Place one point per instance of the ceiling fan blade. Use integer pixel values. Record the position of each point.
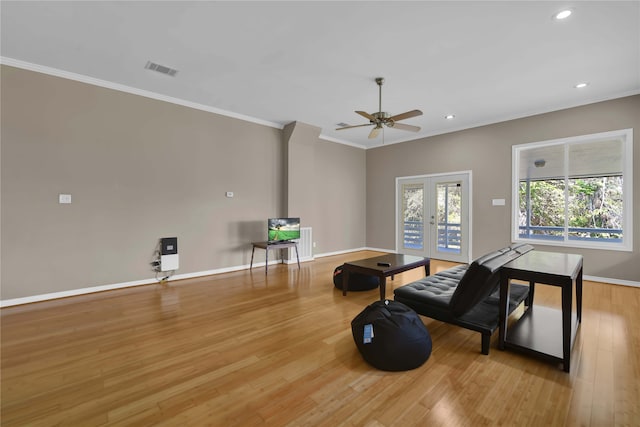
(366, 115)
(374, 132)
(408, 114)
(354, 126)
(403, 126)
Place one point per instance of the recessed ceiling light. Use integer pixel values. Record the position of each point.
(563, 14)
(449, 116)
(581, 85)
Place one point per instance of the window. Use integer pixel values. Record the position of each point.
(575, 191)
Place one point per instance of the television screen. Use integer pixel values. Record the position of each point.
(281, 229)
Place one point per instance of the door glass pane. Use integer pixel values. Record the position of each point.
(413, 216)
(448, 212)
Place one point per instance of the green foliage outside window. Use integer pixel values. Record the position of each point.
(592, 203)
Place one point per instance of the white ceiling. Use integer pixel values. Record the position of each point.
(315, 62)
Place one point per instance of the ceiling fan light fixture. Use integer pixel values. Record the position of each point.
(375, 131)
(563, 14)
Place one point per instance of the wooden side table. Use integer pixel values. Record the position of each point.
(275, 245)
(536, 332)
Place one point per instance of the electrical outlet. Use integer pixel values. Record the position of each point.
(314, 244)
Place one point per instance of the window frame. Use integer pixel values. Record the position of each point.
(626, 136)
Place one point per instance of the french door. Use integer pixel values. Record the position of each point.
(433, 216)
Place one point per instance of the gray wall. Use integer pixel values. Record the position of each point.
(486, 151)
(339, 205)
(140, 169)
(326, 187)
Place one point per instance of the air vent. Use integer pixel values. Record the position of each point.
(160, 68)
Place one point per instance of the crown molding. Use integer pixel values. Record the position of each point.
(128, 89)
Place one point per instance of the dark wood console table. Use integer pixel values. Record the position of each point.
(397, 263)
(536, 332)
(276, 245)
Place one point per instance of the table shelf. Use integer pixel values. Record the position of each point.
(537, 332)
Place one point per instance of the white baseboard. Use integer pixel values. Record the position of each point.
(73, 292)
(93, 289)
(390, 251)
(612, 281)
(151, 281)
(326, 254)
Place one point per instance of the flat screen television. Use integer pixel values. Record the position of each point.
(283, 229)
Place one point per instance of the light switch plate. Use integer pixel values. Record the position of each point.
(64, 198)
(229, 194)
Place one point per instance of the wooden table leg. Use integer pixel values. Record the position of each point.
(567, 297)
(532, 290)
(579, 296)
(383, 287)
(504, 304)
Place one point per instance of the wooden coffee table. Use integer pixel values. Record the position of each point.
(383, 267)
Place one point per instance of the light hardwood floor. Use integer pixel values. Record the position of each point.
(242, 349)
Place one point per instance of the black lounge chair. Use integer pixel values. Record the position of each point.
(467, 295)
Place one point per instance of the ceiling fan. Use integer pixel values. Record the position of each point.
(383, 118)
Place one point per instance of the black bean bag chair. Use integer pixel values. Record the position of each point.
(357, 281)
(391, 336)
